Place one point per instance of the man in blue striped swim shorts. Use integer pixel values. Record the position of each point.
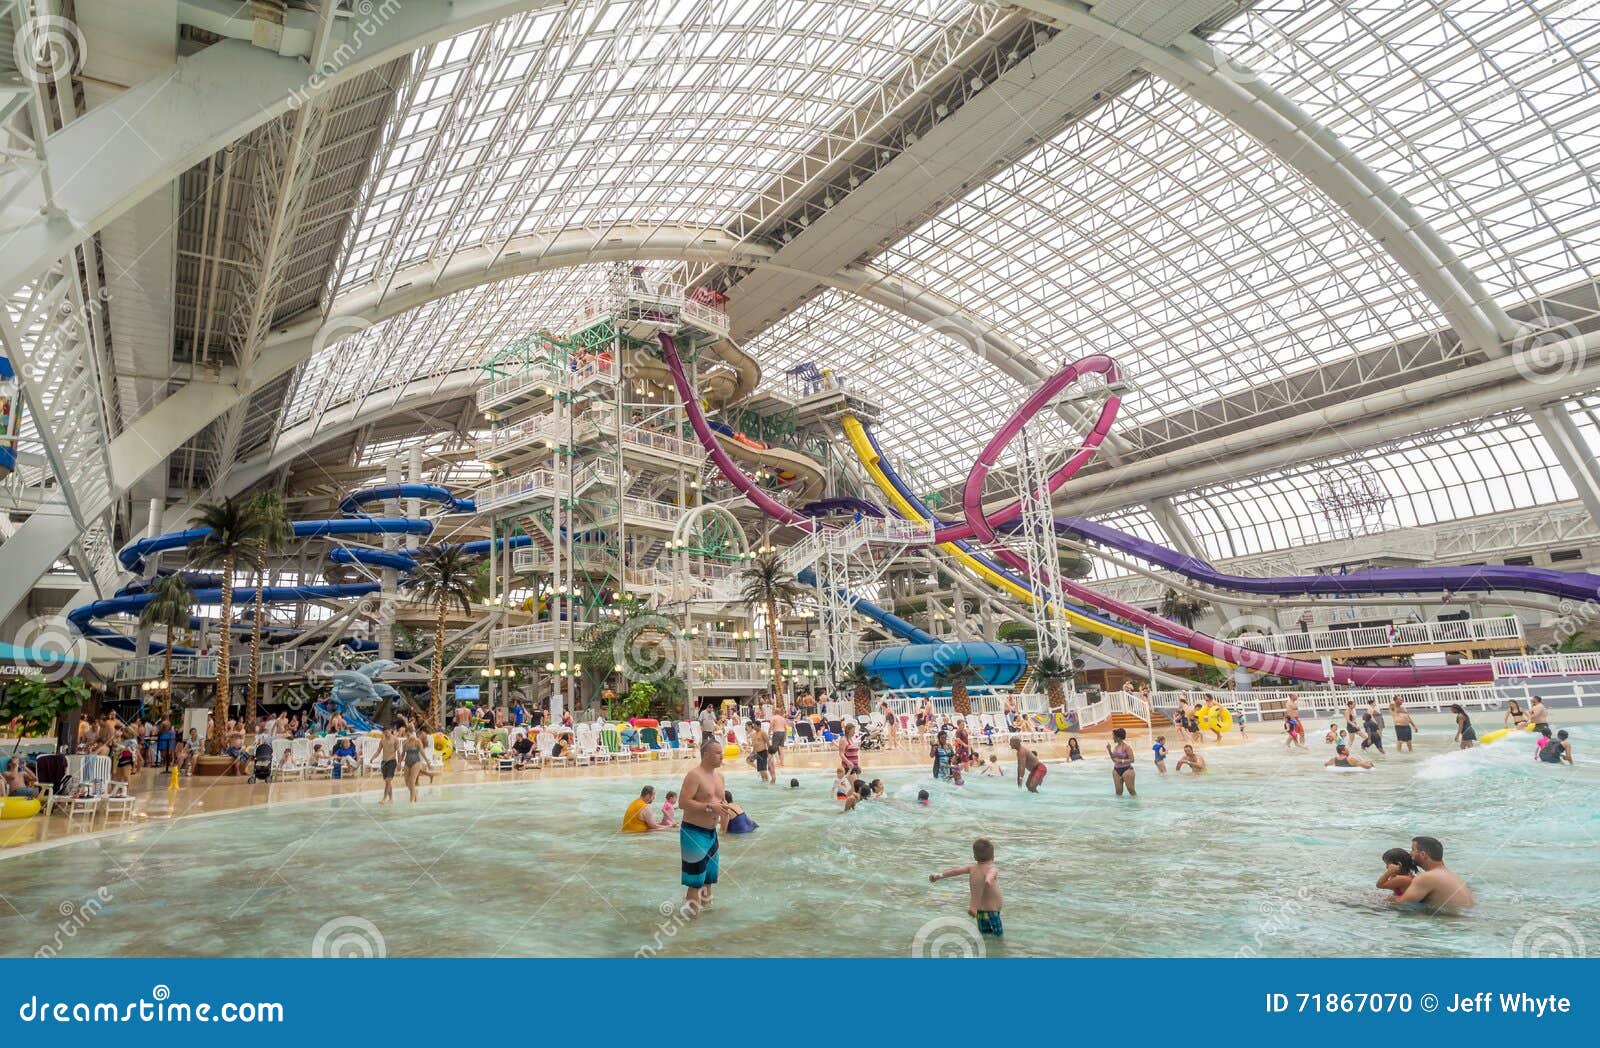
(702, 804)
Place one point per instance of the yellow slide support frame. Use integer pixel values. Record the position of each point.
(869, 459)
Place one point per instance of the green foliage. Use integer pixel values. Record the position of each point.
(636, 703)
(235, 531)
(170, 606)
(1579, 643)
(765, 584)
(446, 576)
(859, 676)
(1053, 670)
(36, 703)
(962, 673)
(1182, 607)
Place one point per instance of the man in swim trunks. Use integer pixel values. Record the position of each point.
(1403, 725)
(1538, 714)
(1437, 887)
(778, 733)
(1342, 759)
(761, 748)
(1191, 760)
(389, 754)
(1028, 765)
(702, 796)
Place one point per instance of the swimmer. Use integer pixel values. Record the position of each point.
(1160, 751)
(1466, 735)
(983, 887)
(1404, 725)
(923, 798)
(1514, 717)
(669, 806)
(1029, 765)
(1437, 886)
(1191, 760)
(639, 818)
(703, 807)
(1342, 759)
(1399, 870)
(842, 785)
(861, 792)
(1372, 731)
(794, 784)
(877, 789)
(1332, 736)
(734, 818)
(991, 767)
(1073, 753)
(1553, 749)
(1121, 762)
(1538, 716)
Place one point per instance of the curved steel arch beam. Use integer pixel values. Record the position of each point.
(1314, 152)
(102, 164)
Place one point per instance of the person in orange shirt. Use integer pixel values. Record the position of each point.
(639, 818)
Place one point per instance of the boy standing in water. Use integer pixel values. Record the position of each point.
(983, 887)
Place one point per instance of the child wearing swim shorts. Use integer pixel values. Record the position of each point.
(983, 887)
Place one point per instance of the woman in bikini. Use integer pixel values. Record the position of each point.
(1515, 718)
(1121, 761)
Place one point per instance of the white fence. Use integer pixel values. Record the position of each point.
(1576, 664)
(1497, 632)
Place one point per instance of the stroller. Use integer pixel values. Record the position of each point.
(873, 737)
(262, 771)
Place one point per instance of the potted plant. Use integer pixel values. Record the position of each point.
(34, 703)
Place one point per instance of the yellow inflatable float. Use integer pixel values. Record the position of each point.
(730, 751)
(443, 746)
(1495, 736)
(19, 807)
(1214, 718)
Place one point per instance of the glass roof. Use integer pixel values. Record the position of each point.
(1150, 228)
(605, 113)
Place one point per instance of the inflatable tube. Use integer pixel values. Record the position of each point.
(1495, 736)
(645, 722)
(1214, 718)
(443, 746)
(19, 807)
(730, 751)
(1062, 723)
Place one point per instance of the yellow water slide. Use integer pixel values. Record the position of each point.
(857, 434)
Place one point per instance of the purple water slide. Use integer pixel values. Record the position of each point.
(977, 524)
(1261, 662)
(1482, 578)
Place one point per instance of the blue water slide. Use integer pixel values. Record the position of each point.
(133, 554)
(82, 618)
(841, 504)
(353, 502)
(887, 619)
(917, 665)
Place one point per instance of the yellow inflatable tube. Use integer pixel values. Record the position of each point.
(19, 807)
(1495, 736)
(863, 448)
(1214, 718)
(443, 746)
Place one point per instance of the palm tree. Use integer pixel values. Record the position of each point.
(170, 609)
(1054, 672)
(233, 532)
(956, 677)
(1182, 608)
(274, 533)
(765, 583)
(445, 577)
(864, 682)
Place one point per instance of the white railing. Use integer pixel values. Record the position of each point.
(879, 531)
(511, 385)
(511, 640)
(543, 483)
(705, 316)
(722, 641)
(1496, 632)
(586, 368)
(655, 512)
(663, 443)
(1572, 664)
(754, 674)
(1263, 703)
(204, 667)
(548, 426)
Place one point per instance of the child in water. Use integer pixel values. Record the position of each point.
(983, 887)
(922, 798)
(1073, 753)
(668, 807)
(1160, 751)
(1398, 870)
(736, 820)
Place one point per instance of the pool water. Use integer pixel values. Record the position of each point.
(1267, 855)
